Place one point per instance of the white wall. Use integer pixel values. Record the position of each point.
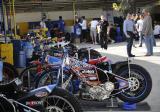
(28, 17)
(54, 15)
(36, 16)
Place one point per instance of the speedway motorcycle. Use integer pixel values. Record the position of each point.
(131, 83)
(30, 75)
(48, 98)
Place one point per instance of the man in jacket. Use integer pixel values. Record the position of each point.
(148, 32)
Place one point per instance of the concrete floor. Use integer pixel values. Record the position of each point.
(117, 52)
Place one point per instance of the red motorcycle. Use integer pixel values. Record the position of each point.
(131, 83)
(31, 74)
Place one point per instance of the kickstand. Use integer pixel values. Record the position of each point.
(112, 103)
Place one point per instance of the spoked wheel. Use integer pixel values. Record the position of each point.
(46, 78)
(60, 105)
(140, 84)
(50, 77)
(28, 77)
(62, 101)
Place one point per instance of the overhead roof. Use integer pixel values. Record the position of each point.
(62, 5)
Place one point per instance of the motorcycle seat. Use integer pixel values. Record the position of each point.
(35, 63)
(83, 50)
(98, 60)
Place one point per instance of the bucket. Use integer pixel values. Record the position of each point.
(28, 48)
(20, 59)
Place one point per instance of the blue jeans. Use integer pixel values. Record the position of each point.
(149, 44)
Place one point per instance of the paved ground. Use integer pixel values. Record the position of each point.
(117, 52)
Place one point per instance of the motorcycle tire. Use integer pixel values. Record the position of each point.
(47, 77)
(28, 77)
(50, 77)
(142, 80)
(70, 103)
(9, 72)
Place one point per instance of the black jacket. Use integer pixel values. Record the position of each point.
(103, 26)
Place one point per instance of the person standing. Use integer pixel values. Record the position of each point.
(61, 24)
(103, 32)
(148, 32)
(43, 24)
(139, 27)
(93, 30)
(77, 31)
(128, 29)
(84, 28)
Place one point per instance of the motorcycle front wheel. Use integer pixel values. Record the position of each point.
(140, 83)
(28, 77)
(50, 77)
(62, 101)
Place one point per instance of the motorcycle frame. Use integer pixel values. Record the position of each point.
(14, 102)
(63, 85)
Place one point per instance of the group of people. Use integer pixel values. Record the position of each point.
(54, 29)
(134, 24)
(144, 28)
(96, 27)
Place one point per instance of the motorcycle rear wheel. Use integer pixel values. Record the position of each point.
(50, 77)
(62, 101)
(142, 80)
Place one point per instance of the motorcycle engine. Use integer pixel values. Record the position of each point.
(102, 91)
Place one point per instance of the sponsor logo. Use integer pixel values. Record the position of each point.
(34, 103)
(87, 71)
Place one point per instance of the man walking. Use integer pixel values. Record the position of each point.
(148, 32)
(128, 29)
